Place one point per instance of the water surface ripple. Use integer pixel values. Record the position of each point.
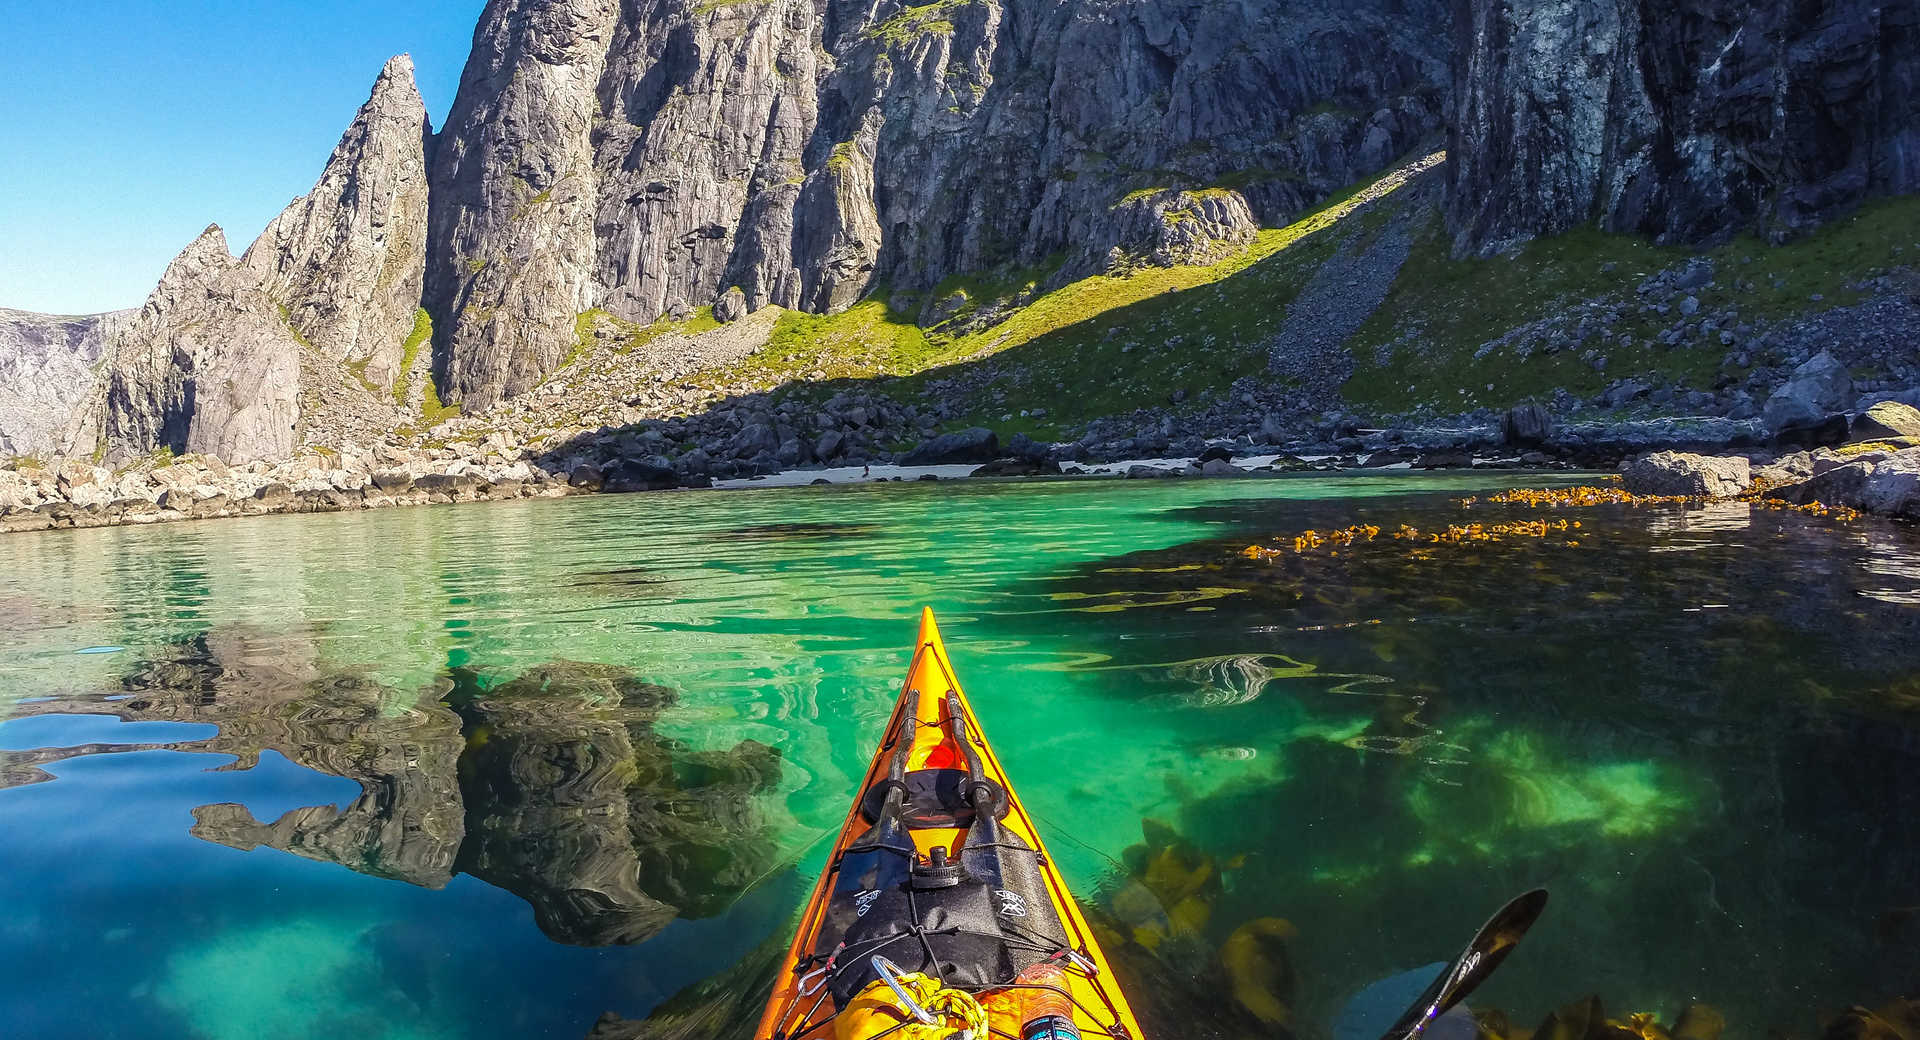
(497, 770)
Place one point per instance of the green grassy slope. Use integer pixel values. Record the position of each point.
(1104, 344)
(1112, 343)
(1454, 306)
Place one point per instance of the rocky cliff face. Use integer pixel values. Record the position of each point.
(208, 365)
(348, 259)
(213, 362)
(648, 156)
(1689, 121)
(49, 372)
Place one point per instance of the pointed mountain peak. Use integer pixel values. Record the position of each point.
(210, 239)
(396, 84)
(198, 267)
(208, 251)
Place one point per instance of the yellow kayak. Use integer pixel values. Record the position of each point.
(940, 913)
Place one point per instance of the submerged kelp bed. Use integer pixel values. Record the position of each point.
(497, 771)
(1695, 724)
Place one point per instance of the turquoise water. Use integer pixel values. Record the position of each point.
(496, 770)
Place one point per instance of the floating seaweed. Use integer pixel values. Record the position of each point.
(1581, 497)
(1586, 496)
(1452, 534)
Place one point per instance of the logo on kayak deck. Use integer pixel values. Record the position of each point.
(863, 901)
(1011, 905)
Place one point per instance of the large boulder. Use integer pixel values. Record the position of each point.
(1876, 483)
(1026, 448)
(1691, 476)
(1787, 469)
(1527, 426)
(392, 481)
(1817, 389)
(829, 446)
(89, 496)
(1820, 433)
(974, 445)
(1018, 467)
(1887, 419)
(586, 477)
(648, 473)
(1273, 429)
(731, 306)
(753, 440)
(1838, 486)
(1444, 460)
(1893, 486)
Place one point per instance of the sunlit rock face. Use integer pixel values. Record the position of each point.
(347, 259)
(1688, 121)
(212, 363)
(207, 366)
(48, 380)
(647, 157)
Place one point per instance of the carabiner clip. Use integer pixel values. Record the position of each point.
(890, 973)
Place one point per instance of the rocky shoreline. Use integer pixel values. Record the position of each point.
(1870, 461)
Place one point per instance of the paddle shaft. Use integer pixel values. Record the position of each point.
(1495, 940)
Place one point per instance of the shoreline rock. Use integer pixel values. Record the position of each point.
(1687, 476)
(755, 437)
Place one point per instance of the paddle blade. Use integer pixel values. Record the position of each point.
(1495, 941)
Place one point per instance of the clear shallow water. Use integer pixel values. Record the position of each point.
(495, 770)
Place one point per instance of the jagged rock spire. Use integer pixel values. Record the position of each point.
(347, 259)
(209, 365)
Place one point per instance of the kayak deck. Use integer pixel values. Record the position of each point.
(940, 869)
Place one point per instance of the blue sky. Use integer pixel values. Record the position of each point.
(127, 126)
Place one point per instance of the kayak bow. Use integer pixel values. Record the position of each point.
(940, 911)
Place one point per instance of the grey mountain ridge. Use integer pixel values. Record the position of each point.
(647, 157)
(808, 153)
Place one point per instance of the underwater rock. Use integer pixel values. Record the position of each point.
(1180, 880)
(1576, 1021)
(724, 1006)
(1586, 1019)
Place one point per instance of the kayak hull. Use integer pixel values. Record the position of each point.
(935, 791)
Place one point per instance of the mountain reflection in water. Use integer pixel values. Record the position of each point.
(552, 786)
